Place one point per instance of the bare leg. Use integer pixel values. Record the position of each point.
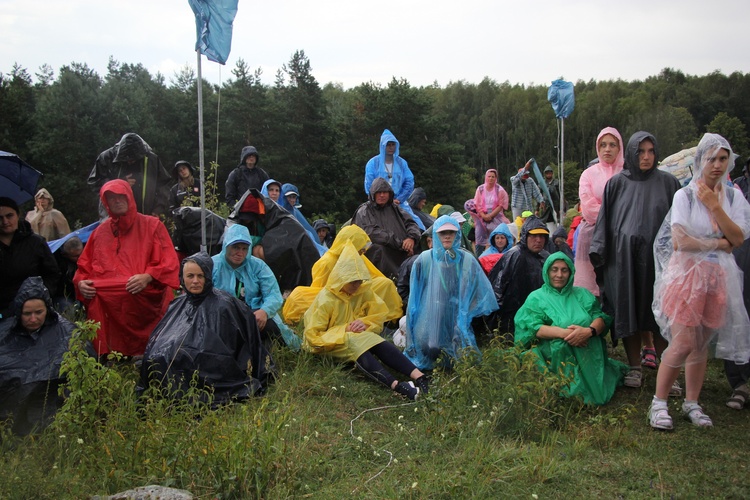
(633, 349)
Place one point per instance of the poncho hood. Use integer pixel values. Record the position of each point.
(632, 168)
(321, 224)
(131, 148)
(121, 187)
(545, 273)
(378, 186)
(620, 160)
(350, 267)
(416, 196)
(706, 150)
(177, 166)
(247, 151)
(385, 138)
(207, 266)
(532, 222)
(33, 288)
(438, 252)
(505, 231)
(43, 193)
(236, 233)
(264, 189)
(354, 234)
(285, 190)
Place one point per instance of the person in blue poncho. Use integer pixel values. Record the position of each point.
(447, 290)
(394, 169)
(501, 239)
(250, 279)
(290, 202)
(272, 189)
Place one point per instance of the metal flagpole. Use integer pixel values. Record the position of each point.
(562, 169)
(200, 154)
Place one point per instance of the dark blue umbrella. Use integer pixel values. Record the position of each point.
(18, 179)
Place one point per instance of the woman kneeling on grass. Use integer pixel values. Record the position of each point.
(344, 321)
(566, 327)
(698, 289)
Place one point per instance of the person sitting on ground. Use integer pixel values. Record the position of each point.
(278, 239)
(247, 175)
(126, 274)
(187, 186)
(344, 323)
(302, 296)
(392, 231)
(250, 279)
(463, 235)
(558, 242)
(518, 273)
(290, 201)
(272, 189)
(208, 334)
(45, 221)
(22, 254)
(564, 326)
(417, 201)
(501, 240)
(404, 272)
(448, 289)
(321, 227)
(32, 345)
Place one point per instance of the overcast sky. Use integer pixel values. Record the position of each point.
(424, 41)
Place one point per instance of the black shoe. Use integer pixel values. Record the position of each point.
(407, 389)
(423, 384)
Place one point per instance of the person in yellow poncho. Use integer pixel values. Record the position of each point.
(344, 322)
(302, 296)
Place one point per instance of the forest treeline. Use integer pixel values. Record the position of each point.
(320, 137)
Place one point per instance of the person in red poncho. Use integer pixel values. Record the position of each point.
(126, 273)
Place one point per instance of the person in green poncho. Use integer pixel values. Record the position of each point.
(565, 326)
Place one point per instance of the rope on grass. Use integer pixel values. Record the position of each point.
(390, 455)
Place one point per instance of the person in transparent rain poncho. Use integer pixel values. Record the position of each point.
(698, 291)
(448, 288)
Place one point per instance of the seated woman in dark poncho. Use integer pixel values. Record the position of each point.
(208, 335)
(32, 345)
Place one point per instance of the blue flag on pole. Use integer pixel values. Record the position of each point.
(213, 26)
(560, 95)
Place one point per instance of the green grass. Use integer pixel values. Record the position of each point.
(492, 430)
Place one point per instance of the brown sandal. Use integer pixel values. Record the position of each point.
(738, 399)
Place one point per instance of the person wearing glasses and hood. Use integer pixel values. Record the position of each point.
(698, 290)
(208, 334)
(389, 165)
(447, 290)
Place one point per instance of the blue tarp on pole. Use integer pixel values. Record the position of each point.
(213, 26)
(560, 95)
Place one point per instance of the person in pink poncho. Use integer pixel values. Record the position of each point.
(590, 191)
(490, 200)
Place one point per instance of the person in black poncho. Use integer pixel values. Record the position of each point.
(210, 335)
(32, 344)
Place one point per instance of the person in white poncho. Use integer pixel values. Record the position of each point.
(698, 291)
